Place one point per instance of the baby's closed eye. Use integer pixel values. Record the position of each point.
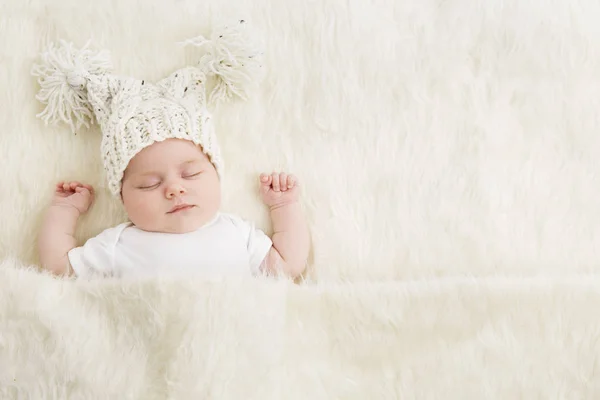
(148, 185)
(191, 174)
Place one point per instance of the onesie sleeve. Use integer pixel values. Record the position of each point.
(257, 242)
(96, 257)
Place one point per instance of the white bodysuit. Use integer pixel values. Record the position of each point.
(225, 245)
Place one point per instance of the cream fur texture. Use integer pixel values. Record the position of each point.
(444, 143)
(529, 338)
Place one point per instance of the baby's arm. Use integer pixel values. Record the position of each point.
(56, 238)
(291, 240)
(57, 234)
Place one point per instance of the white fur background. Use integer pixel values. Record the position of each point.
(432, 138)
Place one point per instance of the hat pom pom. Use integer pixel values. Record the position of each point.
(233, 59)
(63, 75)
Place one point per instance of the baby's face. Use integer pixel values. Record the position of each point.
(172, 187)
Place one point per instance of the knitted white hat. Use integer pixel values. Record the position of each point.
(77, 88)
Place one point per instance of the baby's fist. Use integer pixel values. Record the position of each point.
(74, 194)
(278, 189)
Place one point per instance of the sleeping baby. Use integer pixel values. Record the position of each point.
(163, 162)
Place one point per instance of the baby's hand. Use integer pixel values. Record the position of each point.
(74, 194)
(278, 189)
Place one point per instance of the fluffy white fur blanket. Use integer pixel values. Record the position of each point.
(445, 142)
(460, 339)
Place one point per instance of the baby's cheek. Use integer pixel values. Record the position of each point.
(142, 211)
(134, 202)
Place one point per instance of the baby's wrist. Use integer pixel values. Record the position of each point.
(282, 205)
(65, 209)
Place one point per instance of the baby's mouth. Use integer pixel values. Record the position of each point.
(179, 208)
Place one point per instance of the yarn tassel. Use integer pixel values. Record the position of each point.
(63, 75)
(233, 59)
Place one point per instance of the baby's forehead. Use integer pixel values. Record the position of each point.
(165, 162)
(166, 155)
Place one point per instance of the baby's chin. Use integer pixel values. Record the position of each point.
(178, 224)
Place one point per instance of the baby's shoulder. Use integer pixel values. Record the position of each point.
(243, 226)
(112, 234)
(233, 220)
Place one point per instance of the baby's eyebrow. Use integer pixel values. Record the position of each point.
(190, 162)
(147, 173)
(150, 173)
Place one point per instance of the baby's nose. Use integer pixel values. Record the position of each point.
(175, 190)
